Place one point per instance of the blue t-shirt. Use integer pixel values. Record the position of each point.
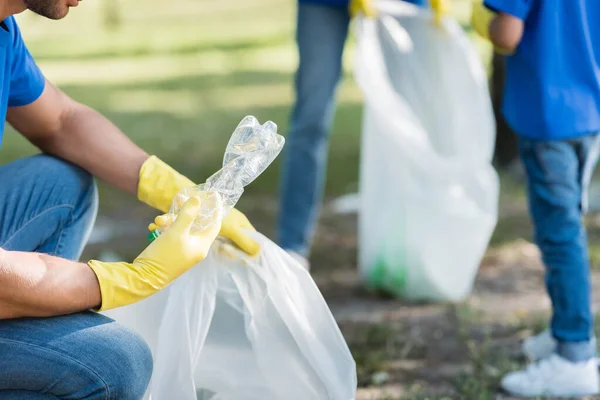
(345, 3)
(22, 82)
(552, 88)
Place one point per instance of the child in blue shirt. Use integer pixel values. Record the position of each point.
(552, 101)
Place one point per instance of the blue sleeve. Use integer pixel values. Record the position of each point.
(422, 3)
(26, 80)
(516, 8)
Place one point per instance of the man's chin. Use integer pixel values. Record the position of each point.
(60, 15)
(54, 14)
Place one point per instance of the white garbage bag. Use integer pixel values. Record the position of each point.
(239, 328)
(236, 327)
(429, 193)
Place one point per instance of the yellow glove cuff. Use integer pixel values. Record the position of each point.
(159, 183)
(440, 9)
(361, 7)
(120, 284)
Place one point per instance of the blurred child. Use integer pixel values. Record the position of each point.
(552, 101)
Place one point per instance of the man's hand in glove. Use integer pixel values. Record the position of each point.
(233, 228)
(165, 259)
(159, 183)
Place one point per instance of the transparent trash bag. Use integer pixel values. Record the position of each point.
(241, 328)
(236, 328)
(428, 191)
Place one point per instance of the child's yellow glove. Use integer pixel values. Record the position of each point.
(165, 259)
(364, 7)
(159, 183)
(481, 18)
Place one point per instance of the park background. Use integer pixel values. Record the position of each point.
(177, 77)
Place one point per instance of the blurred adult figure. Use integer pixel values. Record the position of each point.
(322, 29)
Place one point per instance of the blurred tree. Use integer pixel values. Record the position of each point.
(111, 15)
(506, 141)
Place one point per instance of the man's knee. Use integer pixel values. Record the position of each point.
(116, 362)
(126, 366)
(42, 195)
(71, 183)
(50, 181)
(85, 355)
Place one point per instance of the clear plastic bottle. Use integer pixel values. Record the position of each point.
(251, 149)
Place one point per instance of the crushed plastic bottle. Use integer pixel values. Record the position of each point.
(251, 149)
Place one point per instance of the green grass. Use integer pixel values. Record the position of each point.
(177, 77)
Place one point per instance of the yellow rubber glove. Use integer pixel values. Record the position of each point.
(233, 225)
(165, 259)
(364, 7)
(159, 183)
(481, 18)
(440, 9)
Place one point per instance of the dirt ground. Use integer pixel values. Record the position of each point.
(403, 350)
(441, 351)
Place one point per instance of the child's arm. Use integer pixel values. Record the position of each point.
(503, 29)
(506, 32)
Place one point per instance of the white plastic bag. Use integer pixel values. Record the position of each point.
(429, 194)
(242, 329)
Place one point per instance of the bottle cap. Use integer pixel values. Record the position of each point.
(153, 235)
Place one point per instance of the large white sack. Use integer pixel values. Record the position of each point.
(429, 193)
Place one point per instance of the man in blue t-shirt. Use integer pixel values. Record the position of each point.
(552, 101)
(322, 28)
(48, 204)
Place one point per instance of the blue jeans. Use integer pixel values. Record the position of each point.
(321, 34)
(558, 174)
(49, 206)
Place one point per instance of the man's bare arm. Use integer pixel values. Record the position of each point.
(62, 127)
(39, 285)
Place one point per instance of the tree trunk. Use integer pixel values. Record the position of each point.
(506, 141)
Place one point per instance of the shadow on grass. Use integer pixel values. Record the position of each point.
(45, 52)
(98, 94)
